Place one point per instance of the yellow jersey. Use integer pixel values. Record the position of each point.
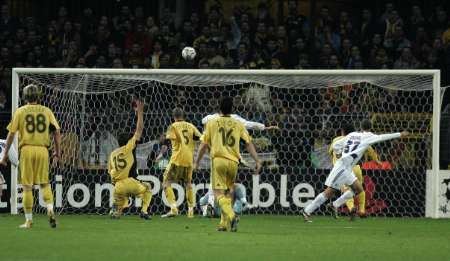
(122, 161)
(33, 122)
(369, 153)
(182, 136)
(223, 135)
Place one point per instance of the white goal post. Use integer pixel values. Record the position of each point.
(282, 79)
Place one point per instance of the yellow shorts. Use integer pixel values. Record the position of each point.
(224, 173)
(129, 187)
(33, 164)
(358, 172)
(176, 173)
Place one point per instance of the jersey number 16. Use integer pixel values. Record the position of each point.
(227, 137)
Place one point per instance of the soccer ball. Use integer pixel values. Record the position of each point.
(188, 53)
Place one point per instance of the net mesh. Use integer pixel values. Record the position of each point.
(93, 109)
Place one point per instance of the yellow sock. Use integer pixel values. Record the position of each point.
(362, 202)
(350, 204)
(27, 201)
(146, 199)
(225, 206)
(47, 194)
(223, 220)
(170, 196)
(190, 196)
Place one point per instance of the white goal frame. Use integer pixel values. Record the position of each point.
(432, 189)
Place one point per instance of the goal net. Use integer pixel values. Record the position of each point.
(94, 106)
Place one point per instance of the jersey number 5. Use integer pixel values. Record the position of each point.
(37, 123)
(119, 162)
(185, 136)
(227, 138)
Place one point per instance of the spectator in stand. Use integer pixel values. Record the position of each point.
(140, 37)
(135, 57)
(4, 106)
(156, 54)
(7, 22)
(406, 60)
(333, 62)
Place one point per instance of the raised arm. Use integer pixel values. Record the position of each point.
(140, 119)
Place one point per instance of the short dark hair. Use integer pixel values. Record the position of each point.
(366, 125)
(347, 128)
(226, 105)
(124, 138)
(178, 113)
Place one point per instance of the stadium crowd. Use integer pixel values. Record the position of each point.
(400, 39)
(397, 38)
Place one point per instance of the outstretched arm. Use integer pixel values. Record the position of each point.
(251, 125)
(383, 137)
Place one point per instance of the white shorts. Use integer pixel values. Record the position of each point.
(2, 179)
(341, 174)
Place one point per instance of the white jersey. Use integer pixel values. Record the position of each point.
(251, 125)
(352, 148)
(354, 145)
(12, 154)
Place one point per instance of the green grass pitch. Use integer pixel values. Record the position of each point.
(259, 238)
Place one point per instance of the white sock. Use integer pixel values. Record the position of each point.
(211, 201)
(50, 207)
(244, 201)
(204, 210)
(29, 216)
(319, 200)
(343, 198)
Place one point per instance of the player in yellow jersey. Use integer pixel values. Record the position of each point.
(34, 123)
(222, 135)
(346, 129)
(122, 164)
(183, 136)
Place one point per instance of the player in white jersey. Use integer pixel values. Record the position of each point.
(351, 148)
(209, 197)
(209, 209)
(13, 158)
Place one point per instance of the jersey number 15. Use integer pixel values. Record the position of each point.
(119, 162)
